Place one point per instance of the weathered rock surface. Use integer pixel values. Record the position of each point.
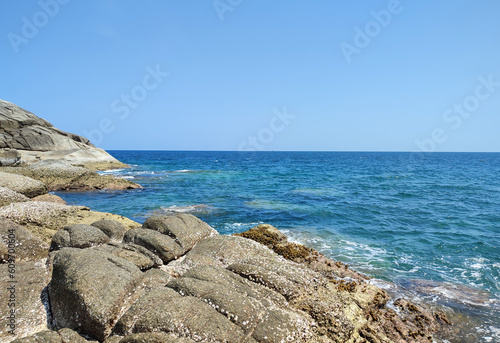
(112, 228)
(22, 184)
(36, 139)
(140, 256)
(60, 175)
(49, 198)
(185, 229)
(44, 219)
(78, 236)
(48, 336)
(164, 309)
(224, 289)
(161, 245)
(8, 196)
(90, 289)
(27, 246)
(30, 299)
(9, 157)
(149, 337)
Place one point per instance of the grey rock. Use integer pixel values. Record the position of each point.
(153, 337)
(154, 278)
(140, 256)
(27, 246)
(165, 310)
(89, 290)
(78, 236)
(161, 245)
(22, 184)
(49, 336)
(113, 229)
(9, 157)
(185, 229)
(221, 251)
(30, 298)
(247, 304)
(8, 196)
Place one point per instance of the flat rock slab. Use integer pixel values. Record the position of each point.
(30, 299)
(45, 218)
(89, 290)
(8, 196)
(22, 184)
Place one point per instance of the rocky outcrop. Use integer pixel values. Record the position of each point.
(215, 288)
(44, 219)
(32, 139)
(8, 196)
(48, 336)
(22, 184)
(60, 175)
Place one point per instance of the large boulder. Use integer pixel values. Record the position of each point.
(22, 184)
(45, 218)
(112, 228)
(36, 139)
(89, 290)
(185, 229)
(28, 296)
(161, 245)
(78, 236)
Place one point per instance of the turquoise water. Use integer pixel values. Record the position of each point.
(430, 223)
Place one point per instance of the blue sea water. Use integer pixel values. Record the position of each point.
(429, 223)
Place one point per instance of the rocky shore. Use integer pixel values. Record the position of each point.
(70, 274)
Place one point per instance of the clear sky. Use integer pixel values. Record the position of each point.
(259, 74)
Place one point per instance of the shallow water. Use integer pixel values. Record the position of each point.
(430, 223)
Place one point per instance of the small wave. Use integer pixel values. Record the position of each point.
(201, 208)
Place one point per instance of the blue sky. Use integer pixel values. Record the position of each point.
(262, 75)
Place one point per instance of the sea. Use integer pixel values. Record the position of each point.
(422, 225)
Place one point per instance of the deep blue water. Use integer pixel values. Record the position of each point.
(428, 222)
